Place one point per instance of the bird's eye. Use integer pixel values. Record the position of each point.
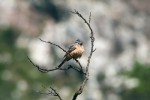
(80, 43)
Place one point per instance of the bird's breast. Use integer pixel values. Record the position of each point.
(77, 53)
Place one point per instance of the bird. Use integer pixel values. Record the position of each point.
(75, 51)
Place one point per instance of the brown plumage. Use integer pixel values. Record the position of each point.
(75, 51)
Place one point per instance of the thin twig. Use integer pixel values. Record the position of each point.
(51, 92)
(54, 45)
(56, 93)
(42, 69)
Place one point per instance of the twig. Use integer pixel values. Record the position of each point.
(75, 68)
(54, 45)
(42, 69)
(51, 92)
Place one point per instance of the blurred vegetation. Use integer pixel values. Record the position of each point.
(49, 8)
(139, 71)
(19, 80)
(142, 91)
(15, 68)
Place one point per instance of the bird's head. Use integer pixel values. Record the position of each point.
(79, 42)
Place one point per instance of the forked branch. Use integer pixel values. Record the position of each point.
(51, 91)
(80, 90)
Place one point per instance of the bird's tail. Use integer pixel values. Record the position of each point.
(62, 63)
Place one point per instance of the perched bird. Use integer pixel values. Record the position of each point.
(75, 51)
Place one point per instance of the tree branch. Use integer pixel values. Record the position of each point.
(57, 68)
(79, 64)
(40, 68)
(80, 90)
(54, 45)
(51, 92)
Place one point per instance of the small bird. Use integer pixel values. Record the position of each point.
(75, 51)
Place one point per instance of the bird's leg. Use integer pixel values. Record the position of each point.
(79, 64)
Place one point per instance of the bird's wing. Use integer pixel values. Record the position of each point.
(71, 48)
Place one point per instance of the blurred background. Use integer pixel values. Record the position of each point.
(120, 66)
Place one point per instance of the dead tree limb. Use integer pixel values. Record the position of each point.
(80, 90)
(54, 45)
(44, 70)
(51, 92)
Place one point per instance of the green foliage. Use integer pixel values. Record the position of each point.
(18, 78)
(7, 39)
(142, 91)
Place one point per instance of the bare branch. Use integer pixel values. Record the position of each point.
(42, 69)
(80, 90)
(75, 68)
(79, 64)
(56, 93)
(54, 45)
(57, 68)
(51, 92)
